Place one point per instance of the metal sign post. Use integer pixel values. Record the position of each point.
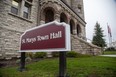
(62, 64)
(22, 65)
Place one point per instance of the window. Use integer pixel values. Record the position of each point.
(15, 7)
(21, 8)
(79, 8)
(26, 10)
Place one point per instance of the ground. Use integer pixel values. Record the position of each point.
(94, 66)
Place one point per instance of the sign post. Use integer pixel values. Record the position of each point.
(50, 37)
(62, 65)
(22, 66)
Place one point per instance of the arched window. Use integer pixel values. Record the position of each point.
(71, 26)
(49, 15)
(63, 18)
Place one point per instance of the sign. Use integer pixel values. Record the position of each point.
(53, 36)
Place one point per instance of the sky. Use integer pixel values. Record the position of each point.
(103, 12)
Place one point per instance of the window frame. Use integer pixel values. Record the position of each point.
(79, 8)
(28, 6)
(15, 7)
(20, 9)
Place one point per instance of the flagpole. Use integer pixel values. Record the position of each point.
(111, 41)
(109, 35)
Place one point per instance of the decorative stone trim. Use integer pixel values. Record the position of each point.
(59, 2)
(52, 6)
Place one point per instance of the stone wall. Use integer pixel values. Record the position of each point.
(12, 26)
(81, 46)
(77, 6)
(10, 42)
(69, 2)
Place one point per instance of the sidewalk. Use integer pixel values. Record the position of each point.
(109, 55)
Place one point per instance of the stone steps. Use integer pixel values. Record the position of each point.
(82, 46)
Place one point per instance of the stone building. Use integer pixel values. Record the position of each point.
(16, 16)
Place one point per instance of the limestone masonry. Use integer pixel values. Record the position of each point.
(16, 16)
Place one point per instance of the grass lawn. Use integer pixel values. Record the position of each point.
(109, 52)
(76, 67)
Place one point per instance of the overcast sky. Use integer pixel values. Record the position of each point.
(103, 11)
